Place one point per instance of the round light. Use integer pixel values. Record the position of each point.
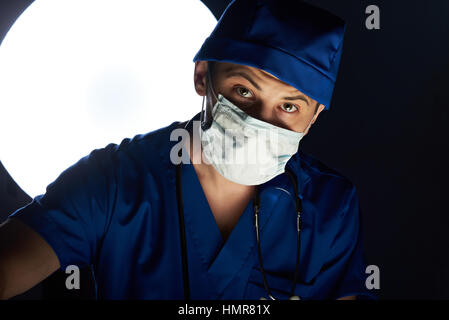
(76, 75)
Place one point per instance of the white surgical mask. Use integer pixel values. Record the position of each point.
(244, 149)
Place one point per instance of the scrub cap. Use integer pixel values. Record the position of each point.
(296, 42)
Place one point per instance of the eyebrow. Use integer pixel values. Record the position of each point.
(231, 73)
(244, 75)
(298, 97)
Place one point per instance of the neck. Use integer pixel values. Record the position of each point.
(208, 175)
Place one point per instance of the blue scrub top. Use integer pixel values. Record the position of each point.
(116, 210)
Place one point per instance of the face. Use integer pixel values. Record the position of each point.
(259, 94)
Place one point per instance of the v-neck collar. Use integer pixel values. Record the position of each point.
(198, 215)
(222, 260)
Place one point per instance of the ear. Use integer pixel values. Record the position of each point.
(199, 77)
(317, 113)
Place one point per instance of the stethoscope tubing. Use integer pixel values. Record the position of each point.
(256, 206)
(182, 232)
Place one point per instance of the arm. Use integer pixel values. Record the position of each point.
(352, 275)
(25, 258)
(348, 298)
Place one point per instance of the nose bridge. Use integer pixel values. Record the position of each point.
(264, 110)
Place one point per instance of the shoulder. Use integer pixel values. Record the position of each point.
(147, 142)
(318, 169)
(142, 149)
(143, 155)
(323, 183)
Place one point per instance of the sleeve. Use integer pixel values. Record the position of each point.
(72, 215)
(348, 252)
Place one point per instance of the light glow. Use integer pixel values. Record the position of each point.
(76, 75)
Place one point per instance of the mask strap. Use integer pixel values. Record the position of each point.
(210, 85)
(202, 113)
(206, 125)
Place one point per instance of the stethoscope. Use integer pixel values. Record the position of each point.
(256, 205)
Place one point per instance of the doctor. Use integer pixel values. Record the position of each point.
(151, 228)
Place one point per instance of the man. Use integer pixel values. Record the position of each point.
(153, 228)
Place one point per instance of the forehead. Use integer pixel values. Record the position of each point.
(228, 68)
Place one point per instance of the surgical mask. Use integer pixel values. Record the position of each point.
(244, 149)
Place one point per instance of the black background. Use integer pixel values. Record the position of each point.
(386, 131)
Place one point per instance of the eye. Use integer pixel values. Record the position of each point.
(242, 91)
(288, 107)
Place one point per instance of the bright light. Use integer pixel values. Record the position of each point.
(76, 75)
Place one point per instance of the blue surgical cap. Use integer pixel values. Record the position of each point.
(296, 42)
